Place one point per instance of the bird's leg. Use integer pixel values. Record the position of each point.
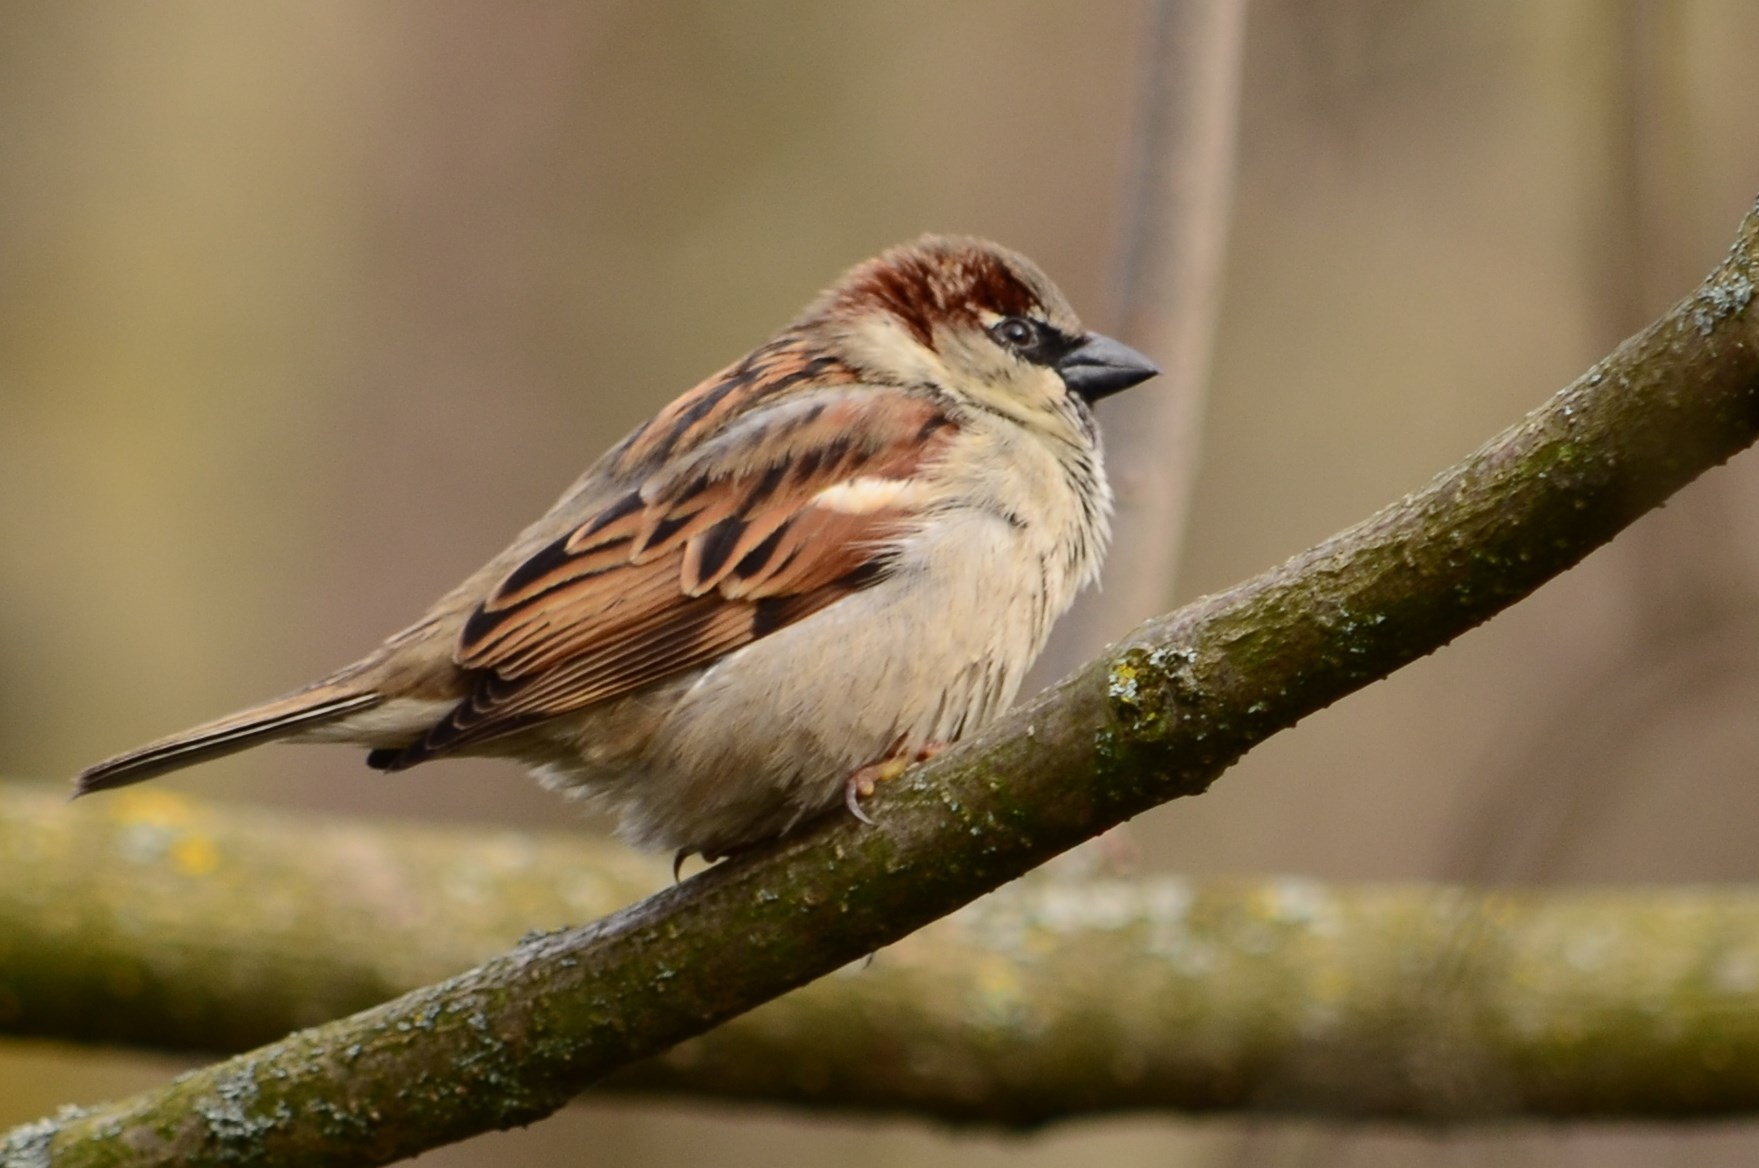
(867, 779)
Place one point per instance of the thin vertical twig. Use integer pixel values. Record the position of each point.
(1169, 292)
(1686, 594)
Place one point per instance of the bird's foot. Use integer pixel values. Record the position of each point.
(867, 779)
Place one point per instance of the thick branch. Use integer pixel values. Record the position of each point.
(1160, 716)
(1049, 1000)
(156, 920)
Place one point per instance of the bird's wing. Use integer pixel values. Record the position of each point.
(781, 514)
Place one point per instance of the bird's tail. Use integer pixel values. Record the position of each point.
(280, 718)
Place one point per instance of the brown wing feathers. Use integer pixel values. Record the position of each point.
(684, 569)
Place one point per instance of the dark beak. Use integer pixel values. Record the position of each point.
(1100, 366)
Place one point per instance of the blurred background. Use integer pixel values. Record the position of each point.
(306, 307)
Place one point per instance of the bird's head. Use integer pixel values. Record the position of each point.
(978, 322)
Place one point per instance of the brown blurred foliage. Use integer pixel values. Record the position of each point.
(305, 308)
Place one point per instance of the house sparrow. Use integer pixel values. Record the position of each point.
(830, 558)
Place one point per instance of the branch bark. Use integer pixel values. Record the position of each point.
(1052, 999)
(1159, 716)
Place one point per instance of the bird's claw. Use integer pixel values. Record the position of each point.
(854, 791)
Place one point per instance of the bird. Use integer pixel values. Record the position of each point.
(823, 563)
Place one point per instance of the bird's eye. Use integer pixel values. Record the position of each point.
(1016, 332)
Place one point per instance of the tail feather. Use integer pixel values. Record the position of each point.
(228, 735)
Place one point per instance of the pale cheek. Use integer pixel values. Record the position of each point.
(1039, 390)
(1051, 386)
(1035, 397)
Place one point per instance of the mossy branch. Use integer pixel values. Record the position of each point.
(173, 924)
(1159, 716)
